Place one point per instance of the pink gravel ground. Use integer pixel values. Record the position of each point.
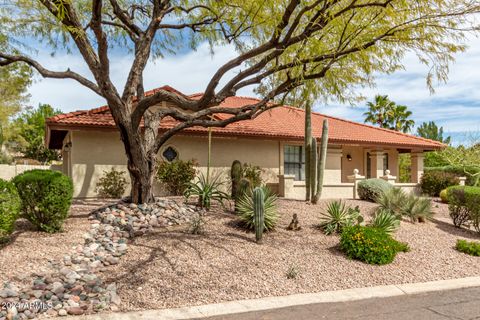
(30, 251)
(171, 268)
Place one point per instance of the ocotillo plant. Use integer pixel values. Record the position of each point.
(308, 146)
(259, 212)
(236, 176)
(313, 167)
(321, 162)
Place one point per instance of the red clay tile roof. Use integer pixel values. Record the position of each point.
(285, 123)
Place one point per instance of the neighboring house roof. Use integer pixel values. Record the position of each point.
(285, 123)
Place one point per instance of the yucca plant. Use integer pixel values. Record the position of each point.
(207, 190)
(337, 216)
(417, 208)
(393, 200)
(245, 209)
(385, 220)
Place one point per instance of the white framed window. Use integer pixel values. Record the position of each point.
(294, 161)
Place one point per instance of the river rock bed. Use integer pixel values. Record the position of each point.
(73, 286)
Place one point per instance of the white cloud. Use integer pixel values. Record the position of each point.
(188, 73)
(454, 105)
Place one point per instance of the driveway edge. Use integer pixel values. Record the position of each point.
(250, 305)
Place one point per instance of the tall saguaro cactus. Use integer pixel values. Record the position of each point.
(259, 212)
(321, 162)
(308, 146)
(313, 167)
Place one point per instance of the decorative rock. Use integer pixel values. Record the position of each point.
(72, 287)
(57, 288)
(75, 311)
(8, 293)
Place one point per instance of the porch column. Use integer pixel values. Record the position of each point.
(285, 185)
(355, 178)
(333, 167)
(417, 166)
(376, 161)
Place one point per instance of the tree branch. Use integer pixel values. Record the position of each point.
(9, 59)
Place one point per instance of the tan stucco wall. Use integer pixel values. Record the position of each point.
(93, 152)
(357, 162)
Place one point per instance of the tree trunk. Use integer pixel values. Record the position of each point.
(142, 161)
(142, 174)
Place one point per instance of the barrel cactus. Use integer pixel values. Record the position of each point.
(259, 212)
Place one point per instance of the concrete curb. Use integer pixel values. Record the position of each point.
(242, 306)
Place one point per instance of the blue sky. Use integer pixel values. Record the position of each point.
(454, 105)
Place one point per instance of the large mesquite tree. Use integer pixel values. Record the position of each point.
(337, 44)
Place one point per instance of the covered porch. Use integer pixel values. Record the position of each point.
(346, 165)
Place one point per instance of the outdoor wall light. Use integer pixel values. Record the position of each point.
(349, 157)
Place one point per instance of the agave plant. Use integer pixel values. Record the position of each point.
(417, 208)
(207, 190)
(385, 220)
(338, 216)
(244, 208)
(393, 200)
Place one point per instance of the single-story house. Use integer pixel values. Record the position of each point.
(90, 144)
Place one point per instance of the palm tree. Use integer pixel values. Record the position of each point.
(387, 114)
(398, 118)
(378, 111)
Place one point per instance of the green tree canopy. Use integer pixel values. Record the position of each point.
(387, 114)
(430, 130)
(14, 82)
(336, 46)
(29, 136)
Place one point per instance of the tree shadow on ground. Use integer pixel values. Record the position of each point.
(133, 275)
(451, 229)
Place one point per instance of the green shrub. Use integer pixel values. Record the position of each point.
(112, 184)
(470, 172)
(207, 191)
(46, 197)
(433, 182)
(370, 245)
(464, 205)
(176, 175)
(469, 247)
(244, 208)
(338, 216)
(9, 208)
(385, 220)
(444, 196)
(253, 174)
(371, 189)
(393, 200)
(417, 208)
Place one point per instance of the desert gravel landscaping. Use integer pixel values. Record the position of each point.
(170, 267)
(31, 251)
(173, 268)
